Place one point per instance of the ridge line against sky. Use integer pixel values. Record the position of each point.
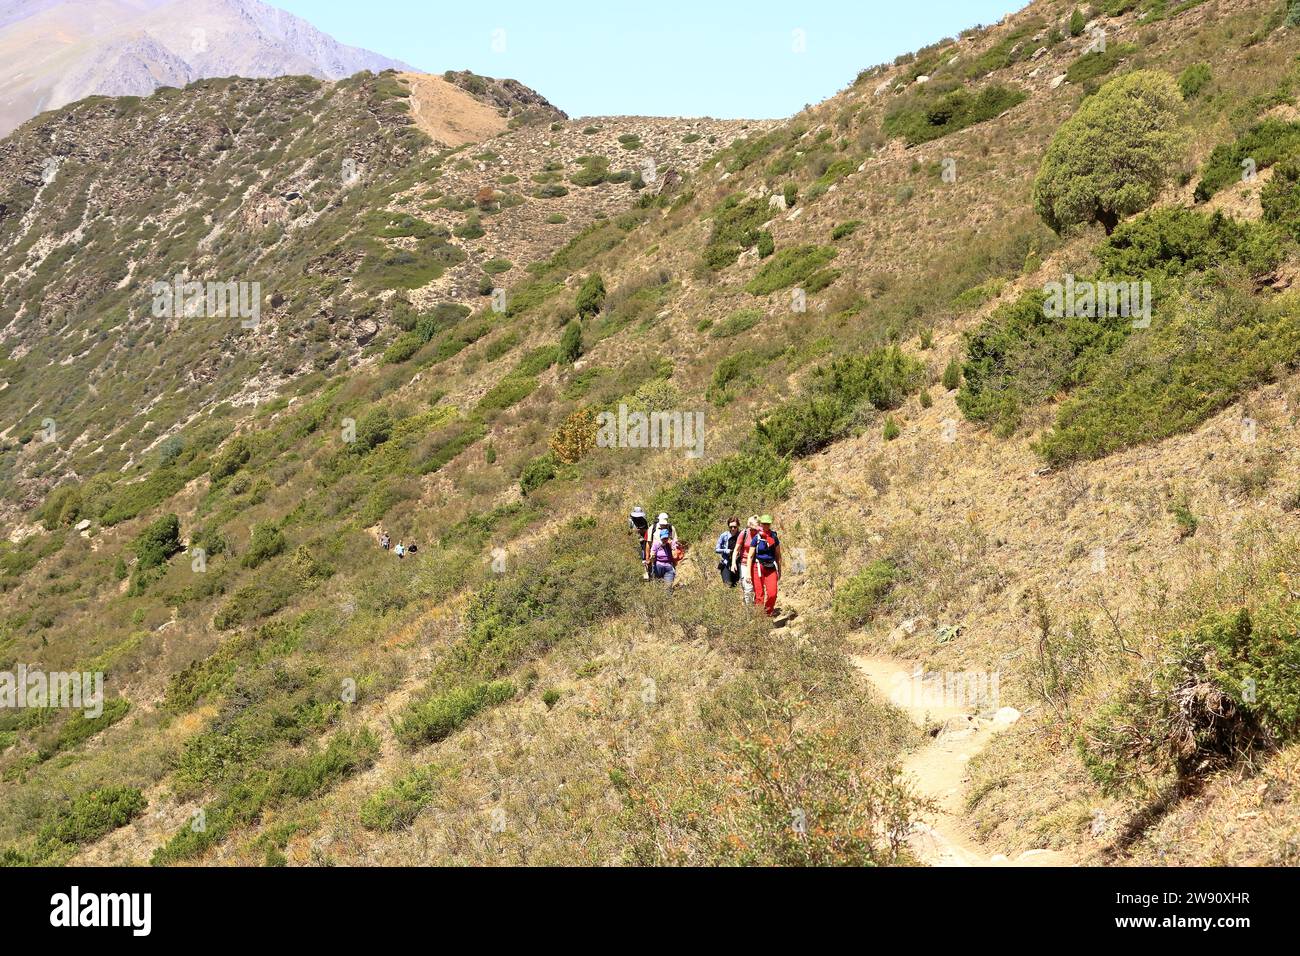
(754, 60)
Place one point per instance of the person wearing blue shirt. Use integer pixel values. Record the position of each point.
(728, 541)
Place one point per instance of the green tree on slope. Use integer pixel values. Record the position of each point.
(1111, 159)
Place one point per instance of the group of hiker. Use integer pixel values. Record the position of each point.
(402, 550)
(749, 558)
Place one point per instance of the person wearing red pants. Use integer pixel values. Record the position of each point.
(765, 564)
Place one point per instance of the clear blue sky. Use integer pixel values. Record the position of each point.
(722, 58)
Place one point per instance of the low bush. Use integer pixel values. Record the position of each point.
(858, 598)
(433, 719)
(1229, 688)
(396, 806)
(921, 119)
(797, 266)
(1264, 144)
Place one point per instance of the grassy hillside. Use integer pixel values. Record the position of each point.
(1100, 513)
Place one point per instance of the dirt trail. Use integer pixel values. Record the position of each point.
(938, 768)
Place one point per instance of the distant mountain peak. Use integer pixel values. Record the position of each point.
(131, 47)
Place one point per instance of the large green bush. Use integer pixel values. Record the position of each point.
(742, 483)
(1218, 342)
(157, 543)
(1112, 158)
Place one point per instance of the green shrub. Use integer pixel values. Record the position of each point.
(428, 721)
(591, 296)
(404, 347)
(1281, 198)
(736, 223)
(511, 390)
(395, 807)
(570, 343)
(858, 598)
(1264, 144)
(952, 375)
(1077, 22)
(1098, 63)
(1019, 356)
(91, 816)
(1194, 79)
(303, 778)
(158, 543)
(537, 473)
(1175, 242)
(1113, 156)
(845, 229)
(737, 323)
(375, 428)
(790, 267)
(1229, 689)
(267, 542)
(62, 508)
(233, 457)
(892, 430)
(921, 118)
(803, 426)
(78, 728)
(1220, 341)
(741, 483)
(594, 171)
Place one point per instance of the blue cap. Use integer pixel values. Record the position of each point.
(664, 535)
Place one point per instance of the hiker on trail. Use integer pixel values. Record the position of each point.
(401, 551)
(639, 527)
(765, 564)
(663, 524)
(384, 540)
(663, 559)
(728, 542)
(740, 560)
(411, 549)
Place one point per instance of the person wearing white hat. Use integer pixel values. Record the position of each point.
(663, 524)
(639, 527)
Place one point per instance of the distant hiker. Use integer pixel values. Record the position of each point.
(728, 542)
(384, 540)
(401, 551)
(412, 549)
(639, 527)
(663, 559)
(765, 564)
(740, 560)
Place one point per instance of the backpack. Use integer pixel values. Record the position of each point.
(765, 552)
